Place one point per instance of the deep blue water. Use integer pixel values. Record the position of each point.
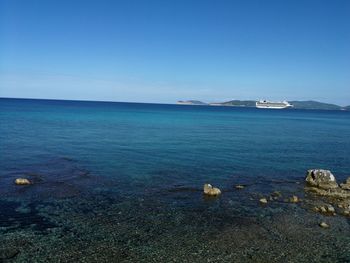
(138, 150)
(129, 140)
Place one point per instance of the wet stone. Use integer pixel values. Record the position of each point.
(294, 199)
(330, 209)
(210, 190)
(22, 181)
(263, 200)
(324, 225)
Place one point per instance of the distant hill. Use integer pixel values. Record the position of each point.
(314, 105)
(307, 105)
(238, 103)
(191, 102)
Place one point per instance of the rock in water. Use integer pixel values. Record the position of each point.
(321, 178)
(323, 183)
(22, 181)
(327, 210)
(263, 200)
(210, 190)
(294, 199)
(324, 225)
(330, 209)
(323, 209)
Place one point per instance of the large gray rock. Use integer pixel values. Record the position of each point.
(323, 184)
(321, 178)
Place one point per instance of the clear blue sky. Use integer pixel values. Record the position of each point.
(167, 50)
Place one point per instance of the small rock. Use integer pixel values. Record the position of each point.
(330, 209)
(239, 186)
(22, 181)
(294, 199)
(210, 190)
(323, 209)
(324, 225)
(263, 200)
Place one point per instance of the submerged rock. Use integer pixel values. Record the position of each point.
(321, 178)
(8, 253)
(332, 193)
(22, 181)
(276, 194)
(344, 207)
(210, 190)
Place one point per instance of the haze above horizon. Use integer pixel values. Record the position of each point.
(164, 51)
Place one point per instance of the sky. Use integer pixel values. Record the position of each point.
(168, 50)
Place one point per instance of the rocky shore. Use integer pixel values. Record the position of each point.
(258, 221)
(323, 184)
(327, 197)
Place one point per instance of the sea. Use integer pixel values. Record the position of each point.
(123, 182)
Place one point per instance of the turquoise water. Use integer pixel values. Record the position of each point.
(123, 181)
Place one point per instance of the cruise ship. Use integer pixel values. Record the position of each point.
(264, 104)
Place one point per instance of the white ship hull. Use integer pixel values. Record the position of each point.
(272, 105)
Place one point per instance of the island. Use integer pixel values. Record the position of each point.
(307, 105)
(191, 102)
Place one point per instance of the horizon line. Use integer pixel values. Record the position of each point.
(161, 103)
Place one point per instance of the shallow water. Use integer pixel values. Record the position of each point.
(123, 182)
